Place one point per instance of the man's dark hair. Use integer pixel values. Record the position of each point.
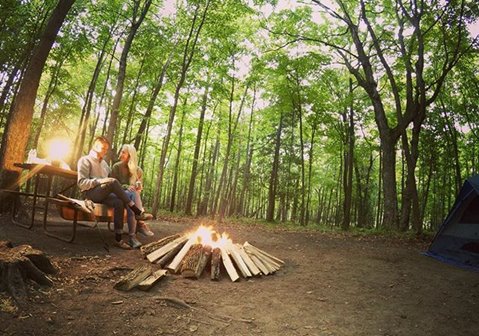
(103, 140)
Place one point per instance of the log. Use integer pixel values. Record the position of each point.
(165, 249)
(195, 261)
(265, 261)
(153, 246)
(230, 269)
(134, 278)
(167, 258)
(5, 245)
(264, 253)
(272, 265)
(259, 263)
(151, 280)
(20, 264)
(247, 259)
(241, 265)
(175, 265)
(215, 264)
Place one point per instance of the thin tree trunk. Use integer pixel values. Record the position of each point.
(273, 180)
(249, 157)
(177, 160)
(137, 19)
(86, 110)
(151, 104)
(348, 162)
(188, 54)
(199, 134)
(131, 110)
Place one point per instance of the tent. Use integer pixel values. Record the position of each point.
(457, 241)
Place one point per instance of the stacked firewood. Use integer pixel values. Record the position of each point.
(188, 256)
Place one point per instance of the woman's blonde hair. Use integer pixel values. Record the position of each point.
(132, 162)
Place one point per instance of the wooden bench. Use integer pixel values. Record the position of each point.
(80, 212)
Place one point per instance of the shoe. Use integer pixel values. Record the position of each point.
(122, 244)
(144, 229)
(144, 216)
(134, 243)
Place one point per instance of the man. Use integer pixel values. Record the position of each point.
(93, 181)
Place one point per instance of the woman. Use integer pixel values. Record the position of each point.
(127, 172)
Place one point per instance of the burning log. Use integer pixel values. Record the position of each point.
(195, 261)
(191, 252)
(134, 278)
(176, 263)
(153, 246)
(153, 256)
(163, 261)
(215, 264)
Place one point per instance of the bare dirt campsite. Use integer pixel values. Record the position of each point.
(330, 284)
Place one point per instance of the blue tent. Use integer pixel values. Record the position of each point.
(457, 241)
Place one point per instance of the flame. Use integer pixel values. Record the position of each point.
(206, 235)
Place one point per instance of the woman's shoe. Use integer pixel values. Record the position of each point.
(143, 228)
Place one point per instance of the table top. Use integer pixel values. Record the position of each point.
(47, 170)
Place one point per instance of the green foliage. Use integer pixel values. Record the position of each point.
(281, 66)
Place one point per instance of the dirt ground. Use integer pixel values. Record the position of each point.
(331, 284)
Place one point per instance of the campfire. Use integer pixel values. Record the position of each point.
(189, 255)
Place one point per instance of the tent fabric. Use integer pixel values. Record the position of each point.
(457, 240)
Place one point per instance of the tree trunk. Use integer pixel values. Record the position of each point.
(194, 168)
(131, 111)
(19, 264)
(17, 130)
(247, 166)
(348, 162)
(223, 186)
(115, 108)
(86, 110)
(273, 180)
(151, 104)
(177, 160)
(188, 54)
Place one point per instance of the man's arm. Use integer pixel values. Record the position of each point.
(85, 181)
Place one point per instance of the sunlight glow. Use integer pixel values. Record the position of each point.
(58, 148)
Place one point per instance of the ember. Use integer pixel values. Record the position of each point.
(190, 253)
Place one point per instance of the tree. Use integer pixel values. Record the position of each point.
(17, 130)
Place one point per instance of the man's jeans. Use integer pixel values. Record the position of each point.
(112, 194)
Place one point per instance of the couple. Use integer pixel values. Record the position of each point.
(118, 187)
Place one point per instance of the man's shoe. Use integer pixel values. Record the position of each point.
(143, 216)
(122, 244)
(144, 229)
(134, 243)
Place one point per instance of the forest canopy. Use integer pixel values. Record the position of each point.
(342, 113)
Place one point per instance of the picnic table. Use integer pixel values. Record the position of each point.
(36, 172)
(71, 209)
